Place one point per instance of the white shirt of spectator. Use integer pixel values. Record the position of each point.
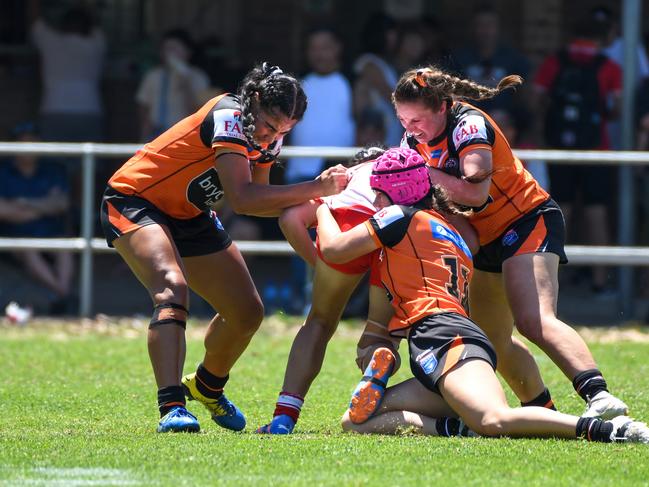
(328, 122)
(150, 91)
(71, 66)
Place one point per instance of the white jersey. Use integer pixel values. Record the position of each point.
(358, 195)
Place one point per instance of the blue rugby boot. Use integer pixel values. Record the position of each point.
(280, 425)
(178, 420)
(223, 412)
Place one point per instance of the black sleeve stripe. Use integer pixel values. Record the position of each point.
(231, 140)
(229, 153)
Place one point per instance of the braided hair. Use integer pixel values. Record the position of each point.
(439, 201)
(273, 91)
(433, 86)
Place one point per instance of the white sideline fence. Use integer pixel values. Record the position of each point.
(87, 245)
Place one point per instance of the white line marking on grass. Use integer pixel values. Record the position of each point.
(76, 477)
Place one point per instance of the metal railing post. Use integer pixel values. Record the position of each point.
(87, 230)
(631, 22)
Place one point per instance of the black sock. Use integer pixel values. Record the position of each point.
(594, 429)
(451, 427)
(170, 397)
(588, 383)
(543, 400)
(208, 384)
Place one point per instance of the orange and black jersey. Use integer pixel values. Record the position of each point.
(425, 264)
(176, 171)
(513, 191)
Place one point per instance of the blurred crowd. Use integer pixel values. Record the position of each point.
(571, 100)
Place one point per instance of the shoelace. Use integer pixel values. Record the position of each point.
(178, 412)
(223, 407)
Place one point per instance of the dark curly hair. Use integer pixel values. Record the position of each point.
(367, 153)
(276, 92)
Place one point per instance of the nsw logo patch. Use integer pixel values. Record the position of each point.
(510, 238)
(427, 361)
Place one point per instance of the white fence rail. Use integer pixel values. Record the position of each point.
(87, 245)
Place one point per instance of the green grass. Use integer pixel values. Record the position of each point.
(78, 407)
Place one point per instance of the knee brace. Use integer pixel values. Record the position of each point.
(169, 314)
(375, 335)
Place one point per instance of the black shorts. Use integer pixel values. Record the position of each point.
(196, 236)
(596, 184)
(439, 342)
(541, 230)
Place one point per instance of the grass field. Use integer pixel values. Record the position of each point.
(78, 408)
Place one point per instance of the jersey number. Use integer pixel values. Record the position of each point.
(453, 287)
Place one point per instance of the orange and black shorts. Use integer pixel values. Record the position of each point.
(541, 230)
(201, 235)
(439, 342)
(348, 219)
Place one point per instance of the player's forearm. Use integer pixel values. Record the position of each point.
(298, 236)
(259, 199)
(461, 191)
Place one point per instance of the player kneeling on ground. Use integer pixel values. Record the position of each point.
(426, 266)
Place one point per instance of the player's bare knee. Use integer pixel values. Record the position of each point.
(325, 325)
(492, 423)
(531, 327)
(250, 316)
(172, 289)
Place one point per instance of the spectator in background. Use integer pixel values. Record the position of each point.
(328, 122)
(613, 47)
(172, 90)
(642, 181)
(33, 203)
(376, 77)
(72, 56)
(437, 51)
(613, 44)
(370, 128)
(419, 42)
(642, 104)
(579, 91)
(488, 59)
(411, 47)
(515, 132)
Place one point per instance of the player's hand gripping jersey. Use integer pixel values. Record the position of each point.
(176, 171)
(425, 264)
(357, 195)
(513, 191)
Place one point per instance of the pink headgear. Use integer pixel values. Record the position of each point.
(401, 174)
